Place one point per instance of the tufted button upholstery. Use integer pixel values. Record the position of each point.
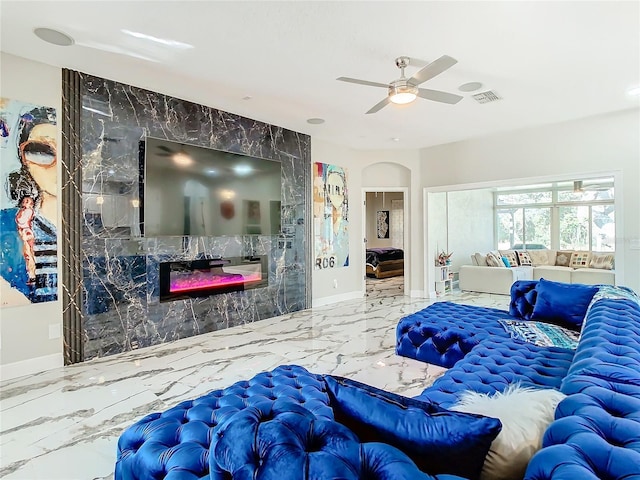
(523, 298)
(175, 443)
(611, 335)
(602, 449)
(495, 364)
(596, 434)
(287, 442)
(445, 332)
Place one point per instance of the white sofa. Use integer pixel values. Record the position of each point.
(492, 279)
(498, 280)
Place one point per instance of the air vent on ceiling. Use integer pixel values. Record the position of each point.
(486, 97)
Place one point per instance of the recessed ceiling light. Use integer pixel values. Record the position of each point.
(470, 87)
(315, 121)
(247, 97)
(634, 91)
(395, 139)
(54, 37)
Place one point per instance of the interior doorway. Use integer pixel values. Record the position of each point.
(385, 242)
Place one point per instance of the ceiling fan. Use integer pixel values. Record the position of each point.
(405, 90)
(597, 186)
(180, 157)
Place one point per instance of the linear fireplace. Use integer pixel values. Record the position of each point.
(211, 276)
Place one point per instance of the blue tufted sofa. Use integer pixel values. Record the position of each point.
(596, 434)
(290, 424)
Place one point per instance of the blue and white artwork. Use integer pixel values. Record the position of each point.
(28, 203)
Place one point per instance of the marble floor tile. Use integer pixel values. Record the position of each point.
(65, 423)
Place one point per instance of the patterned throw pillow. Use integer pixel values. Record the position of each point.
(511, 256)
(580, 259)
(494, 260)
(541, 334)
(563, 258)
(524, 259)
(602, 260)
(540, 257)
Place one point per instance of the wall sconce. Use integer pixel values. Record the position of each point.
(99, 200)
(135, 203)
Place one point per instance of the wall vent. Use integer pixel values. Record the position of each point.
(486, 97)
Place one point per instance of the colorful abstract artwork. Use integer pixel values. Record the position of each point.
(28, 203)
(330, 216)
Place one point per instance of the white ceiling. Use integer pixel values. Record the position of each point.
(550, 61)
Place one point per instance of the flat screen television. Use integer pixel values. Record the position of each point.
(191, 190)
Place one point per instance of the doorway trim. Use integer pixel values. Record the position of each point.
(406, 232)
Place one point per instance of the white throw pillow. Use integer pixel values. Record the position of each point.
(525, 414)
(481, 260)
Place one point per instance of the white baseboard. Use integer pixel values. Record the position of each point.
(336, 298)
(417, 294)
(31, 366)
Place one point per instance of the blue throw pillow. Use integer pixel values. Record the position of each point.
(436, 439)
(506, 262)
(563, 303)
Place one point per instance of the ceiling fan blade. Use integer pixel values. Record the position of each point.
(434, 68)
(363, 82)
(438, 96)
(379, 106)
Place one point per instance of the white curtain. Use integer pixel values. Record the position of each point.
(397, 224)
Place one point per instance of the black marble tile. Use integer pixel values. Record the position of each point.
(121, 307)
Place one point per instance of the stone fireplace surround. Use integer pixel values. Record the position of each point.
(121, 308)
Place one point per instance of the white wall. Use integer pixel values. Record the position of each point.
(609, 143)
(369, 169)
(25, 344)
(436, 234)
(469, 225)
(605, 143)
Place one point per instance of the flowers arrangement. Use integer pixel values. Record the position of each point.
(444, 258)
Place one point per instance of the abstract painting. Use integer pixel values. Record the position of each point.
(330, 216)
(28, 203)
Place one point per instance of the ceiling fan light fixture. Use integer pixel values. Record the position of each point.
(182, 159)
(402, 94)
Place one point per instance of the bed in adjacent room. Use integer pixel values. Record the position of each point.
(384, 262)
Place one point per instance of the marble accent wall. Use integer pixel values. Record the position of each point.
(121, 307)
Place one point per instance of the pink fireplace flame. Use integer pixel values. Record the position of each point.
(204, 280)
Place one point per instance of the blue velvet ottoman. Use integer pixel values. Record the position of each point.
(287, 442)
(175, 444)
(445, 332)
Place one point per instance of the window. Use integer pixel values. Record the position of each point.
(518, 226)
(574, 228)
(569, 216)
